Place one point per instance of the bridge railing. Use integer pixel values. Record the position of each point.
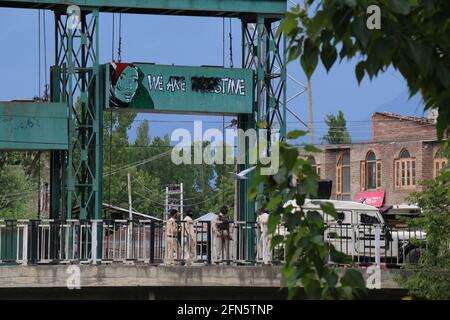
(146, 241)
(368, 244)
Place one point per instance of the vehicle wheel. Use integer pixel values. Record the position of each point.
(412, 256)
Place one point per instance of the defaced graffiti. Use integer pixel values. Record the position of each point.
(126, 89)
(124, 84)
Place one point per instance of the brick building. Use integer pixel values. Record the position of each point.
(403, 151)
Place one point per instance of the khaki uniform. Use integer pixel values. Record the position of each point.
(172, 247)
(264, 252)
(190, 241)
(222, 239)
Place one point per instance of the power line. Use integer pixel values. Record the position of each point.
(16, 194)
(43, 144)
(231, 46)
(217, 122)
(162, 196)
(39, 51)
(119, 56)
(138, 163)
(113, 36)
(45, 49)
(162, 205)
(107, 145)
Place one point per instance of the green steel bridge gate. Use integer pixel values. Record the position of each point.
(76, 76)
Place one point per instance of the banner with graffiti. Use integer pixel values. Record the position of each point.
(177, 89)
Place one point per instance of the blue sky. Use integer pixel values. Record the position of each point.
(197, 41)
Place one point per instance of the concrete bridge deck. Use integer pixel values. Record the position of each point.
(161, 282)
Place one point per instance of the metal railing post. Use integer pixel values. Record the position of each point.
(152, 242)
(129, 237)
(34, 240)
(208, 241)
(25, 244)
(377, 244)
(94, 241)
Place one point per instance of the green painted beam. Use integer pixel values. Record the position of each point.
(178, 89)
(27, 125)
(217, 8)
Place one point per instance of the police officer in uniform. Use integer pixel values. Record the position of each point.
(172, 247)
(262, 223)
(221, 228)
(190, 241)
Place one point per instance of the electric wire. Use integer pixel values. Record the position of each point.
(231, 47)
(113, 36)
(138, 163)
(110, 154)
(119, 56)
(45, 52)
(160, 195)
(39, 52)
(220, 122)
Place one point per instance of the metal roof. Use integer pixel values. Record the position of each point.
(339, 205)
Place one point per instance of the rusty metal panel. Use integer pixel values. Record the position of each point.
(28, 125)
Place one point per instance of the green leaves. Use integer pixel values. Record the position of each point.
(413, 39)
(292, 135)
(427, 279)
(328, 56)
(354, 281)
(399, 6)
(305, 247)
(294, 53)
(274, 221)
(274, 202)
(421, 55)
(359, 71)
(16, 182)
(311, 148)
(309, 58)
(337, 132)
(328, 208)
(360, 30)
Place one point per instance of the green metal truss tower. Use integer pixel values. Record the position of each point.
(264, 52)
(76, 81)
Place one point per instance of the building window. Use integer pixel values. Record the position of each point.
(370, 172)
(440, 162)
(405, 171)
(343, 177)
(315, 166)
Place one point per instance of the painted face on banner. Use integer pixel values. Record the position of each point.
(127, 84)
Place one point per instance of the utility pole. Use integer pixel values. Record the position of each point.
(310, 113)
(181, 200)
(310, 105)
(236, 197)
(174, 199)
(130, 200)
(166, 211)
(130, 218)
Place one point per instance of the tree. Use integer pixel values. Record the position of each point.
(16, 193)
(306, 250)
(337, 129)
(143, 138)
(412, 38)
(19, 182)
(430, 278)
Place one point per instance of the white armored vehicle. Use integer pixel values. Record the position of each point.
(356, 229)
